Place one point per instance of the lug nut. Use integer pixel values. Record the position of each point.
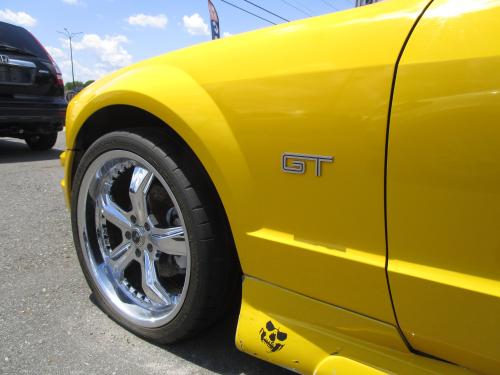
(146, 226)
(150, 247)
(128, 235)
(133, 218)
(137, 253)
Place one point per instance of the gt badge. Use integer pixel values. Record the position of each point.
(296, 163)
(272, 337)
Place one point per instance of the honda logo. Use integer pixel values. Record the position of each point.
(4, 59)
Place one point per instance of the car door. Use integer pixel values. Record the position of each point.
(443, 185)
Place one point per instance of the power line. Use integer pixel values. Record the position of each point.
(329, 5)
(265, 10)
(297, 8)
(303, 6)
(247, 11)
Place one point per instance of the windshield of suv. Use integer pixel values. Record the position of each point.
(21, 39)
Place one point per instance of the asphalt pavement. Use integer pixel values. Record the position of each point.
(48, 322)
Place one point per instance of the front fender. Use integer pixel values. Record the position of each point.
(174, 97)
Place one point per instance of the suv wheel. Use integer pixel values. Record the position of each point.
(41, 142)
(148, 239)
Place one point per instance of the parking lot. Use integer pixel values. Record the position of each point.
(48, 323)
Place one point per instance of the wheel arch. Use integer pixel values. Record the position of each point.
(166, 96)
(190, 117)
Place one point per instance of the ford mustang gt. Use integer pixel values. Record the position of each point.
(338, 177)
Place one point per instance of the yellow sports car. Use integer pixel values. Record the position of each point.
(342, 172)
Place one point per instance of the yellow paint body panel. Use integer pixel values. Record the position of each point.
(317, 86)
(324, 339)
(279, 92)
(66, 159)
(444, 185)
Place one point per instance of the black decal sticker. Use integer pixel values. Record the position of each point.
(272, 337)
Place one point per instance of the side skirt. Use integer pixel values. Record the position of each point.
(310, 336)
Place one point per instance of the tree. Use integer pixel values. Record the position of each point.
(69, 85)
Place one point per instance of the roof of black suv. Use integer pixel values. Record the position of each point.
(18, 37)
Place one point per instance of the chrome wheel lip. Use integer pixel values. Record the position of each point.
(106, 283)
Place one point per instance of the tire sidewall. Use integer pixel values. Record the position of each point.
(43, 142)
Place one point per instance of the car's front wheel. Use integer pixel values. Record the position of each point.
(148, 237)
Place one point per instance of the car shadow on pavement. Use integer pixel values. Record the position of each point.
(214, 349)
(15, 151)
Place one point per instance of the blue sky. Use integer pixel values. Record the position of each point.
(120, 32)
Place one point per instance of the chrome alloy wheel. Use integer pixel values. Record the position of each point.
(135, 243)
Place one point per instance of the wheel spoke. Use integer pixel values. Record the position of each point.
(150, 284)
(139, 186)
(169, 241)
(113, 213)
(121, 257)
(120, 250)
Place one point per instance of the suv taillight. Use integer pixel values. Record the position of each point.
(59, 78)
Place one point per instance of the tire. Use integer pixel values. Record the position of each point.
(41, 142)
(210, 278)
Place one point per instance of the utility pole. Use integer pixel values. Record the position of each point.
(70, 37)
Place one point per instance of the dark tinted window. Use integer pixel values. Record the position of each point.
(20, 38)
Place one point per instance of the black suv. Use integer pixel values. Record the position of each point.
(32, 103)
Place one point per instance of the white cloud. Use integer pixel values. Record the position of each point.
(195, 25)
(71, 2)
(94, 56)
(108, 49)
(83, 72)
(18, 18)
(226, 34)
(159, 21)
(55, 52)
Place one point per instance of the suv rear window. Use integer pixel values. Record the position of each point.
(20, 38)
